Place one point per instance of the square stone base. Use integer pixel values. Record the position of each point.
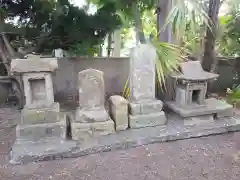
(40, 115)
(82, 131)
(147, 120)
(145, 107)
(36, 132)
(212, 106)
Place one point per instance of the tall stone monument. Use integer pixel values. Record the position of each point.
(40, 115)
(91, 117)
(145, 109)
(190, 102)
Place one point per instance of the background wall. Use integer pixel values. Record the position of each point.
(116, 73)
(65, 78)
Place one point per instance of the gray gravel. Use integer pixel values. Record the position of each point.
(212, 158)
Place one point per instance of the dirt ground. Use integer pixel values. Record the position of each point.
(206, 158)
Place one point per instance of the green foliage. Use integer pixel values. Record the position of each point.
(53, 24)
(233, 96)
(187, 15)
(228, 43)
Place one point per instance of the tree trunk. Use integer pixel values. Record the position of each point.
(140, 37)
(4, 56)
(109, 48)
(209, 62)
(163, 8)
(166, 35)
(8, 46)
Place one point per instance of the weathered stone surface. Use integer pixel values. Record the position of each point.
(147, 120)
(193, 71)
(145, 107)
(97, 114)
(81, 131)
(118, 109)
(229, 112)
(38, 89)
(103, 128)
(199, 120)
(91, 89)
(84, 131)
(28, 152)
(43, 115)
(191, 93)
(38, 131)
(91, 97)
(212, 106)
(142, 72)
(34, 64)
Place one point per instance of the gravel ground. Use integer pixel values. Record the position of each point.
(207, 158)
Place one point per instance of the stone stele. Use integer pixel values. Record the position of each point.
(91, 117)
(145, 109)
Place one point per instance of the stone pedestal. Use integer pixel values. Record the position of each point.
(40, 115)
(145, 110)
(91, 117)
(190, 102)
(146, 113)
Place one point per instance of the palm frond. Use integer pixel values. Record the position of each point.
(186, 13)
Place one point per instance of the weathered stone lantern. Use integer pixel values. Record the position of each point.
(191, 88)
(40, 115)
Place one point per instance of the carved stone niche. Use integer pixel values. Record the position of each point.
(38, 90)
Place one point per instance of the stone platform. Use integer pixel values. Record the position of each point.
(175, 129)
(212, 106)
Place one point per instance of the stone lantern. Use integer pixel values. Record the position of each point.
(190, 102)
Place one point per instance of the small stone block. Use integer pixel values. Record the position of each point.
(81, 131)
(103, 128)
(199, 120)
(118, 108)
(149, 120)
(145, 107)
(151, 107)
(34, 64)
